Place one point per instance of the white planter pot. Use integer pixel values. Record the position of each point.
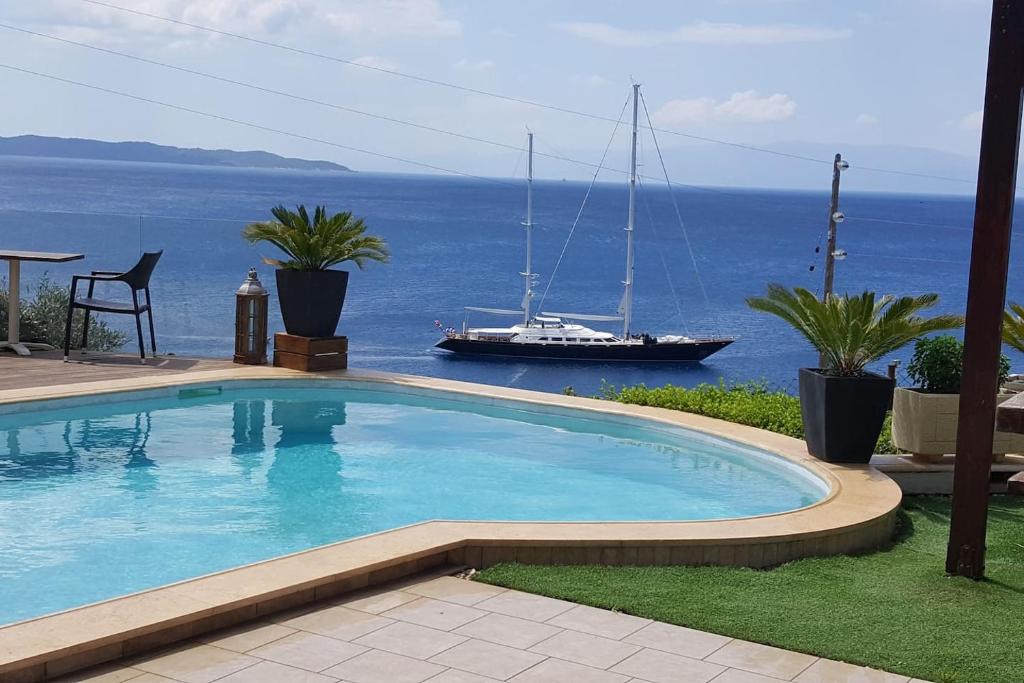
(925, 425)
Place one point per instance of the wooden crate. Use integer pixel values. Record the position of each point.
(310, 354)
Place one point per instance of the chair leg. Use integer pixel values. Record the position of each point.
(138, 327)
(67, 327)
(85, 331)
(152, 332)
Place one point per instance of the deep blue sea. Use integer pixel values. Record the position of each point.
(458, 242)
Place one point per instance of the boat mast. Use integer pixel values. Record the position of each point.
(627, 295)
(528, 274)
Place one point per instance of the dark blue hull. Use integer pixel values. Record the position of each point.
(693, 351)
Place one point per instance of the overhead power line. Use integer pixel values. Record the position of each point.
(488, 93)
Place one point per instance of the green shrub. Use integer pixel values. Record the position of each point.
(44, 313)
(938, 362)
(749, 403)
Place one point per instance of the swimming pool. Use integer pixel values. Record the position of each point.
(102, 499)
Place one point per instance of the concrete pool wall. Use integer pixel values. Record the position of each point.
(857, 515)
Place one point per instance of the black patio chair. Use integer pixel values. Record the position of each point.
(137, 279)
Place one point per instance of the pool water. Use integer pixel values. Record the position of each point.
(102, 500)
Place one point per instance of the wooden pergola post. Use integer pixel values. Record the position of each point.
(986, 296)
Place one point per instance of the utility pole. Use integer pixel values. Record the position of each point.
(986, 293)
(834, 218)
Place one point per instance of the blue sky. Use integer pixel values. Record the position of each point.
(811, 76)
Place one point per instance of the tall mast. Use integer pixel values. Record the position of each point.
(627, 295)
(528, 273)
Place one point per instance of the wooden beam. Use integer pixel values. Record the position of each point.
(990, 251)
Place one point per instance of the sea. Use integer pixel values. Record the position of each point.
(459, 242)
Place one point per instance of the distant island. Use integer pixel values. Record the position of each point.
(80, 148)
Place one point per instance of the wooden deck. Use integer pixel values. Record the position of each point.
(47, 368)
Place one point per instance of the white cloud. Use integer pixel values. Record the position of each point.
(375, 62)
(972, 121)
(591, 80)
(468, 65)
(742, 107)
(418, 18)
(704, 32)
(866, 120)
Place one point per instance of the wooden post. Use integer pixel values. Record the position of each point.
(990, 251)
(830, 249)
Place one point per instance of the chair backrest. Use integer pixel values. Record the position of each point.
(138, 276)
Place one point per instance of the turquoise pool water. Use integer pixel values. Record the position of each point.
(106, 499)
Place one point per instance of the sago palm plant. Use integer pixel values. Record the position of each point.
(317, 244)
(851, 331)
(1013, 327)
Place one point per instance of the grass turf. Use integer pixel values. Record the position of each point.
(894, 609)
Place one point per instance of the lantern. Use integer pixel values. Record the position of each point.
(251, 321)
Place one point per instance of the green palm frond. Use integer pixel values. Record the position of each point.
(1013, 327)
(851, 331)
(320, 243)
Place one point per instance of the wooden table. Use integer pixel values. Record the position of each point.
(14, 259)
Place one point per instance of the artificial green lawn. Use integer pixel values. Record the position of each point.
(894, 609)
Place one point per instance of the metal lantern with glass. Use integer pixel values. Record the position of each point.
(251, 321)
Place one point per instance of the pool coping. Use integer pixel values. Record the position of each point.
(858, 514)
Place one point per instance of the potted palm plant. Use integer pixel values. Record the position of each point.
(842, 404)
(312, 295)
(924, 417)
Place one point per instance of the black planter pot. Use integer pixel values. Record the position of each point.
(311, 300)
(843, 416)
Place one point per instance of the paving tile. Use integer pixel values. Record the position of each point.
(153, 678)
(338, 622)
(104, 674)
(557, 671)
(272, 672)
(245, 638)
(488, 659)
(678, 640)
(378, 602)
(375, 666)
(456, 676)
(741, 676)
(411, 640)
(662, 667)
(525, 606)
(762, 659)
(584, 648)
(828, 671)
(506, 630)
(459, 591)
(599, 622)
(195, 663)
(434, 613)
(308, 651)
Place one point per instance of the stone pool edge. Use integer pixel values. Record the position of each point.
(858, 514)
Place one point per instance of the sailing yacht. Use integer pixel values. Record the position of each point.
(561, 335)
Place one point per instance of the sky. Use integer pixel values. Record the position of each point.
(894, 83)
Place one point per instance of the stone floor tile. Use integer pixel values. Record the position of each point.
(195, 663)
(558, 671)
(308, 651)
(375, 666)
(829, 671)
(741, 676)
(525, 606)
(506, 630)
(338, 622)
(153, 678)
(456, 676)
(678, 640)
(599, 622)
(102, 674)
(378, 601)
(245, 638)
(434, 613)
(584, 648)
(662, 667)
(272, 672)
(459, 591)
(762, 659)
(488, 659)
(411, 640)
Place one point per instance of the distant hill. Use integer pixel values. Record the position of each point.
(79, 148)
